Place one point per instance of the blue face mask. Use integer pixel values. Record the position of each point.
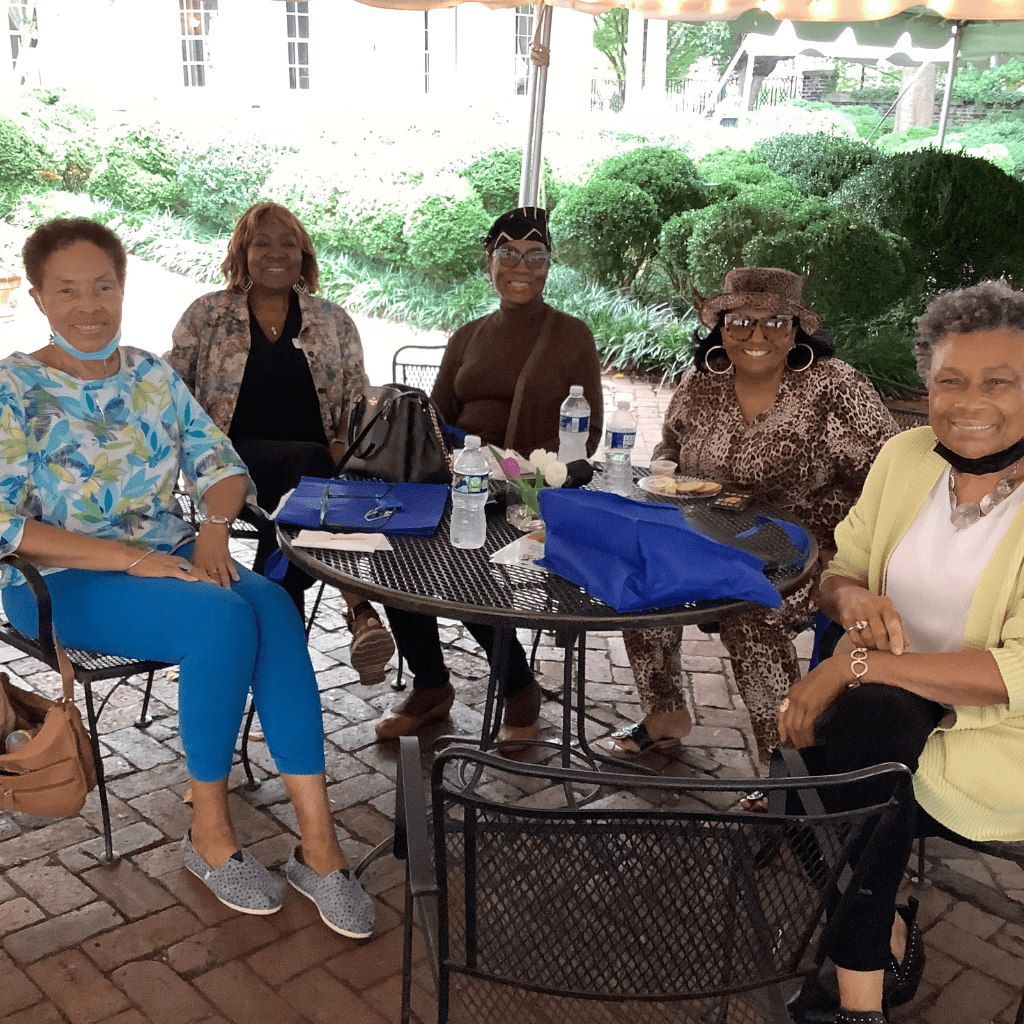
(104, 353)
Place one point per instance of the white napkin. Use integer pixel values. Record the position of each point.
(342, 541)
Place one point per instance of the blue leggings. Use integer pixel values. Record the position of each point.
(225, 642)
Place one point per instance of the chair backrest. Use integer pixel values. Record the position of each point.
(625, 901)
(417, 365)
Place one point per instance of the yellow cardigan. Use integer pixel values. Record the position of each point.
(971, 773)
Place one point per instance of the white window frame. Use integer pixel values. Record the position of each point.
(297, 28)
(197, 17)
(523, 41)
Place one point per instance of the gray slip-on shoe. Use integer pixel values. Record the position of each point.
(241, 882)
(343, 903)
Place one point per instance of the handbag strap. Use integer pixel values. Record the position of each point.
(351, 450)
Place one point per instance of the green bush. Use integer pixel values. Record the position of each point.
(1007, 131)
(378, 229)
(217, 185)
(674, 249)
(908, 140)
(817, 164)
(150, 151)
(667, 175)
(606, 230)
(960, 214)
(21, 159)
(862, 116)
(120, 179)
(443, 229)
(495, 177)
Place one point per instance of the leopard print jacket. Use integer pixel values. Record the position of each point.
(808, 453)
(211, 347)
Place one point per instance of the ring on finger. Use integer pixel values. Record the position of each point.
(184, 566)
(858, 626)
(784, 706)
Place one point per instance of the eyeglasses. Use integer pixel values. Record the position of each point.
(774, 328)
(535, 258)
(380, 511)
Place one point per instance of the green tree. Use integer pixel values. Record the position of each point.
(686, 43)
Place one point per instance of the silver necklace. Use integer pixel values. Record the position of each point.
(967, 513)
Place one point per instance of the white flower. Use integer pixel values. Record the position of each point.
(539, 458)
(555, 473)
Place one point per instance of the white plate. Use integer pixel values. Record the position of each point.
(648, 484)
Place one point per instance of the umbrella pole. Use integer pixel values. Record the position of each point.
(529, 177)
(947, 96)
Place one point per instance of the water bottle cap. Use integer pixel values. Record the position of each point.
(576, 390)
(622, 403)
(472, 441)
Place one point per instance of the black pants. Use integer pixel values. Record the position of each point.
(871, 725)
(275, 468)
(419, 642)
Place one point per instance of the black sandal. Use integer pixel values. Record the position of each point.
(637, 734)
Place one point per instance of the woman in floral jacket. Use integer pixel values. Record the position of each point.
(274, 366)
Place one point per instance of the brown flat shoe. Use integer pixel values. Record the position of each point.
(372, 645)
(511, 738)
(408, 717)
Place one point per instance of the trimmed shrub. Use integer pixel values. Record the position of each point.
(443, 228)
(606, 230)
(961, 215)
(495, 177)
(1006, 131)
(120, 179)
(21, 159)
(378, 229)
(817, 164)
(908, 140)
(674, 249)
(667, 175)
(720, 234)
(217, 185)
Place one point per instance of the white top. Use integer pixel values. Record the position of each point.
(933, 573)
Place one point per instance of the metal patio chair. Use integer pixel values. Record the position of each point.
(421, 373)
(620, 911)
(91, 668)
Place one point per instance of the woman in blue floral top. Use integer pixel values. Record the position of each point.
(93, 438)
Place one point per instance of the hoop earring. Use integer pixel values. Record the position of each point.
(300, 286)
(246, 283)
(807, 365)
(710, 368)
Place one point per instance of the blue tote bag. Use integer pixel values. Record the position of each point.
(640, 555)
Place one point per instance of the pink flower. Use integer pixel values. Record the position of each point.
(510, 467)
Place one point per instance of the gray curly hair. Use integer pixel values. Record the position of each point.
(988, 306)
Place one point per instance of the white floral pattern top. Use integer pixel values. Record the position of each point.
(102, 457)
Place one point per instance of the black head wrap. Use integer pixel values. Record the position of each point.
(526, 223)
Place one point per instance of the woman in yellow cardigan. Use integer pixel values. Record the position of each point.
(929, 584)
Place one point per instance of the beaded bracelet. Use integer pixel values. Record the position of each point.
(858, 665)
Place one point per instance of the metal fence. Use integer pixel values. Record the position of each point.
(695, 94)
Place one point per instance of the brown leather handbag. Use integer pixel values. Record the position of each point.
(54, 772)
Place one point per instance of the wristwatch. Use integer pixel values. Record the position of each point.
(219, 520)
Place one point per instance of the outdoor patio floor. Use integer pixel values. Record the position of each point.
(144, 941)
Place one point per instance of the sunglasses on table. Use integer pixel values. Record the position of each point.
(379, 508)
(535, 258)
(774, 328)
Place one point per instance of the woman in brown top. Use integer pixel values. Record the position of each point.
(504, 378)
(765, 407)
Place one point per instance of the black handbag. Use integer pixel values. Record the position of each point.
(396, 433)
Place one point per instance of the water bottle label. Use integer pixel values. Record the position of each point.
(619, 439)
(577, 424)
(475, 484)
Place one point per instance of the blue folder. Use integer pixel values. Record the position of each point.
(366, 506)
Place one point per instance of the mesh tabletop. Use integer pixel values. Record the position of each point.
(428, 575)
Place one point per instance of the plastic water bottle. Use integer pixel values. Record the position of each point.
(619, 438)
(573, 426)
(17, 739)
(470, 473)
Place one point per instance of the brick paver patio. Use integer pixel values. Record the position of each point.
(143, 941)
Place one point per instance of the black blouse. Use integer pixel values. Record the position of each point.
(277, 400)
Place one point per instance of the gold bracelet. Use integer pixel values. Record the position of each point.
(858, 665)
(145, 554)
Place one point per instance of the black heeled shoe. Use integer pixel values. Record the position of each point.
(817, 1002)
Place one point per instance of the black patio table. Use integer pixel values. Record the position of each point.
(428, 575)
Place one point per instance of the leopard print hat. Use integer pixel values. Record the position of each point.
(760, 287)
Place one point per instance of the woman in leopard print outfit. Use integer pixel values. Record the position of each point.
(765, 407)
